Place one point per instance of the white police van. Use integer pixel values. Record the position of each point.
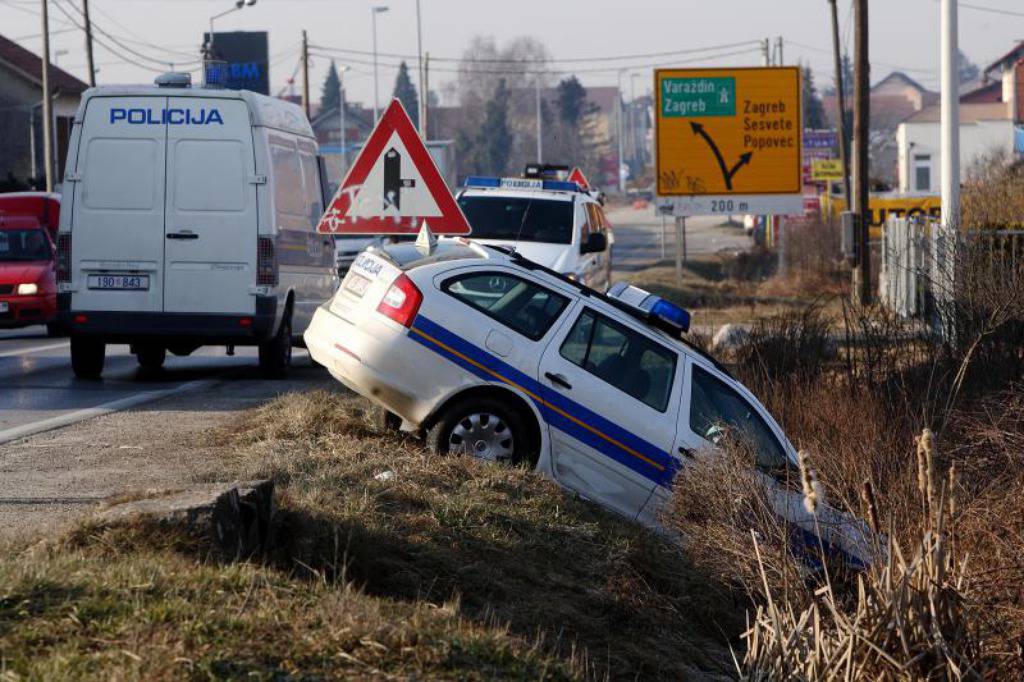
(551, 222)
(498, 357)
(188, 219)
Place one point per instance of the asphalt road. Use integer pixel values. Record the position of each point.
(638, 237)
(38, 390)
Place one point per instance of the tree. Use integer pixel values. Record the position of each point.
(330, 95)
(968, 69)
(495, 140)
(814, 108)
(572, 100)
(405, 92)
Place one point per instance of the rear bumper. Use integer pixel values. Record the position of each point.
(27, 310)
(185, 328)
(383, 365)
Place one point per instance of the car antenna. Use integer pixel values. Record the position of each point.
(529, 205)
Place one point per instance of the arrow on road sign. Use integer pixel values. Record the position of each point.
(393, 187)
(727, 173)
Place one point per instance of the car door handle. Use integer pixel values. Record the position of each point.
(558, 380)
(185, 234)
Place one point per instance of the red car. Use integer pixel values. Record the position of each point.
(28, 285)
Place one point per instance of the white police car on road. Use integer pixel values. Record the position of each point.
(551, 222)
(497, 357)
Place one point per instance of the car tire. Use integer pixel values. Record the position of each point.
(485, 428)
(276, 354)
(150, 356)
(87, 357)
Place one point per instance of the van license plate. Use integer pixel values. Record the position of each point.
(123, 282)
(357, 284)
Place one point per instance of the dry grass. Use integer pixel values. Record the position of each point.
(445, 568)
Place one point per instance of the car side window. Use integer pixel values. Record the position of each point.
(528, 308)
(621, 357)
(716, 408)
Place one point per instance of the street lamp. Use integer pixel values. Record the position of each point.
(374, 11)
(239, 4)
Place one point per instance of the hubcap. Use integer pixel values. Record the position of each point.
(482, 435)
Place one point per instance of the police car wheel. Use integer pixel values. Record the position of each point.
(276, 354)
(151, 357)
(483, 428)
(87, 357)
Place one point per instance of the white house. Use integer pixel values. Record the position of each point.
(985, 128)
(989, 115)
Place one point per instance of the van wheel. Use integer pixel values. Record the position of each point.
(276, 354)
(484, 428)
(53, 330)
(87, 356)
(150, 357)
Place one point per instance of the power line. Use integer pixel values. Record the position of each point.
(331, 53)
(991, 10)
(552, 60)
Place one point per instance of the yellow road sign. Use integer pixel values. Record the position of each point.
(826, 170)
(728, 131)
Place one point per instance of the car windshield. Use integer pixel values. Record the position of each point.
(24, 245)
(519, 219)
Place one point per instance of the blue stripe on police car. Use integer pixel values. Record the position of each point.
(140, 116)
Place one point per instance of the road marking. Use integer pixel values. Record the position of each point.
(59, 421)
(36, 349)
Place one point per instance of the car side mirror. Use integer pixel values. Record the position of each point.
(596, 243)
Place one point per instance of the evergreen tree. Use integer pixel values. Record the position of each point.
(405, 92)
(814, 109)
(572, 101)
(330, 95)
(494, 143)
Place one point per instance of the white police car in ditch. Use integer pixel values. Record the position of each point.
(551, 222)
(495, 356)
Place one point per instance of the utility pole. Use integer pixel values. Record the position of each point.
(945, 238)
(780, 60)
(425, 96)
(861, 128)
(766, 52)
(305, 73)
(421, 116)
(618, 170)
(540, 131)
(47, 104)
(840, 105)
(341, 107)
(90, 65)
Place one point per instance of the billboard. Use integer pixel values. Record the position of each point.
(246, 59)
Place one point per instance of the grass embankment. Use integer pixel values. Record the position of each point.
(388, 562)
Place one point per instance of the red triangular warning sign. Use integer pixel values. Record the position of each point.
(579, 178)
(393, 187)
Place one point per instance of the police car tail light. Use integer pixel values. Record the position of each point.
(266, 262)
(401, 302)
(64, 257)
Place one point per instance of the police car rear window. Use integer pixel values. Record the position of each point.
(519, 218)
(528, 308)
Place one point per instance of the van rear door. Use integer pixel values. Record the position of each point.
(118, 215)
(211, 224)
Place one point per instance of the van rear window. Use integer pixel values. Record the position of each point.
(519, 218)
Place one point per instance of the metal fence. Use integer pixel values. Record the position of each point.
(919, 265)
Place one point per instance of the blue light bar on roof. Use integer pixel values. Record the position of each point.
(671, 313)
(484, 181)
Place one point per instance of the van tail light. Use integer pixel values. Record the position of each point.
(64, 257)
(266, 262)
(401, 302)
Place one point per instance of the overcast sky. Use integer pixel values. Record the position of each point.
(904, 34)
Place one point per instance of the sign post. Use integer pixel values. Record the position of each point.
(729, 140)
